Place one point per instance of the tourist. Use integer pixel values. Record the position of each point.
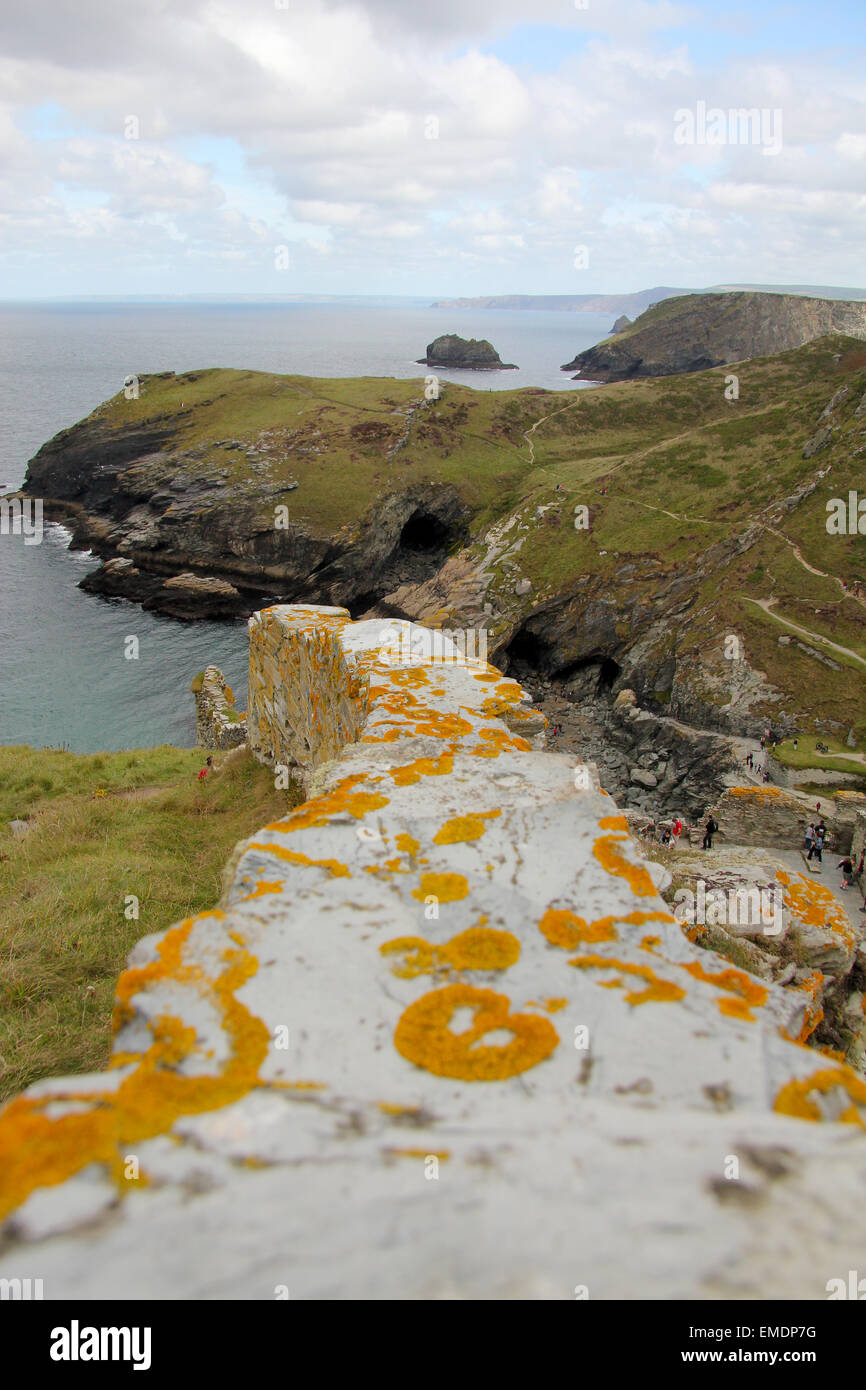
(208, 767)
(847, 867)
(796, 743)
(709, 831)
(860, 876)
(676, 831)
(816, 850)
(809, 837)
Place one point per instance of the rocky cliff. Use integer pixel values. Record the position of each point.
(654, 535)
(439, 1013)
(697, 331)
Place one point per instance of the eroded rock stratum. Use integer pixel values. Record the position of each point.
(440, 1038)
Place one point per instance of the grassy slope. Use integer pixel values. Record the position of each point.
(666, 445)
(64, 934)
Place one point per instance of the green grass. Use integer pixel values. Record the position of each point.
(107, 827)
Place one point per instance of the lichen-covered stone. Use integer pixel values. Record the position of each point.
(441, 1038)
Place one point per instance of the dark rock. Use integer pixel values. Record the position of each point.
(474, 354)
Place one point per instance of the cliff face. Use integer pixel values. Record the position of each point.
(598, 539)
(694, 332)
(447, 977)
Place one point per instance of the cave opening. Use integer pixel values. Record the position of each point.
(608, 672)
(424, 532)
(525, 651)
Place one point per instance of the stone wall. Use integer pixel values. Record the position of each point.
(440, 1038)
(768, 816)
(217, 722)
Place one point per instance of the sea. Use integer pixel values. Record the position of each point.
(67, 676)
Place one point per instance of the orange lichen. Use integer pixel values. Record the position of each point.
(422, 767)
(339, 801)
(657, 991)
(263, 888)
(736, 1008)
(813, 1013)
(794, 1098)
(477, 948)
(461, 828)
(607, 851)
(37, 1151)
(423, 1036)
(334, 867)
(448, 888)
(406, 844)
(734, 981)
(564, 928)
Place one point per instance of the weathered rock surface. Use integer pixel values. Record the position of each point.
(693, 332)
(475, 354)
(439, 1013)
(217, 723)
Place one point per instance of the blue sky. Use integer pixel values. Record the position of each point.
(371, 147)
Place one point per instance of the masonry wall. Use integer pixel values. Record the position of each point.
(439, 1038)
(217, 723)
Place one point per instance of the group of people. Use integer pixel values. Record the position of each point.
(673, 834)
(814, 840)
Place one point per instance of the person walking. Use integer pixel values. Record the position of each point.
(860, 877)
(847, 867)
(816, 850)
(676, 831)
(709, 831)
(809, 836)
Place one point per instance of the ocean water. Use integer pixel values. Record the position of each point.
(65, 681)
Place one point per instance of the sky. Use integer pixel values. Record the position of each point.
(456, 147)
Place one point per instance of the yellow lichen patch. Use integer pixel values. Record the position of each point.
(564, 928)
(736, 1008)
(37, 1151)
(816, 905)
(411, 675)
(423, 1036)
(618, 823)
(553, 1006)
(734, 981)
(607, 851)
(657, 991)
(461, 828)
(448, 888)
(477, 948)
(500, 739)
(263, 888)
(341, 800)
(406, 844)
(291, 856)
(649, 943)
(422, 767)
(486, 676)
(813, 986)
(795, 1097)
(388, 1109)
